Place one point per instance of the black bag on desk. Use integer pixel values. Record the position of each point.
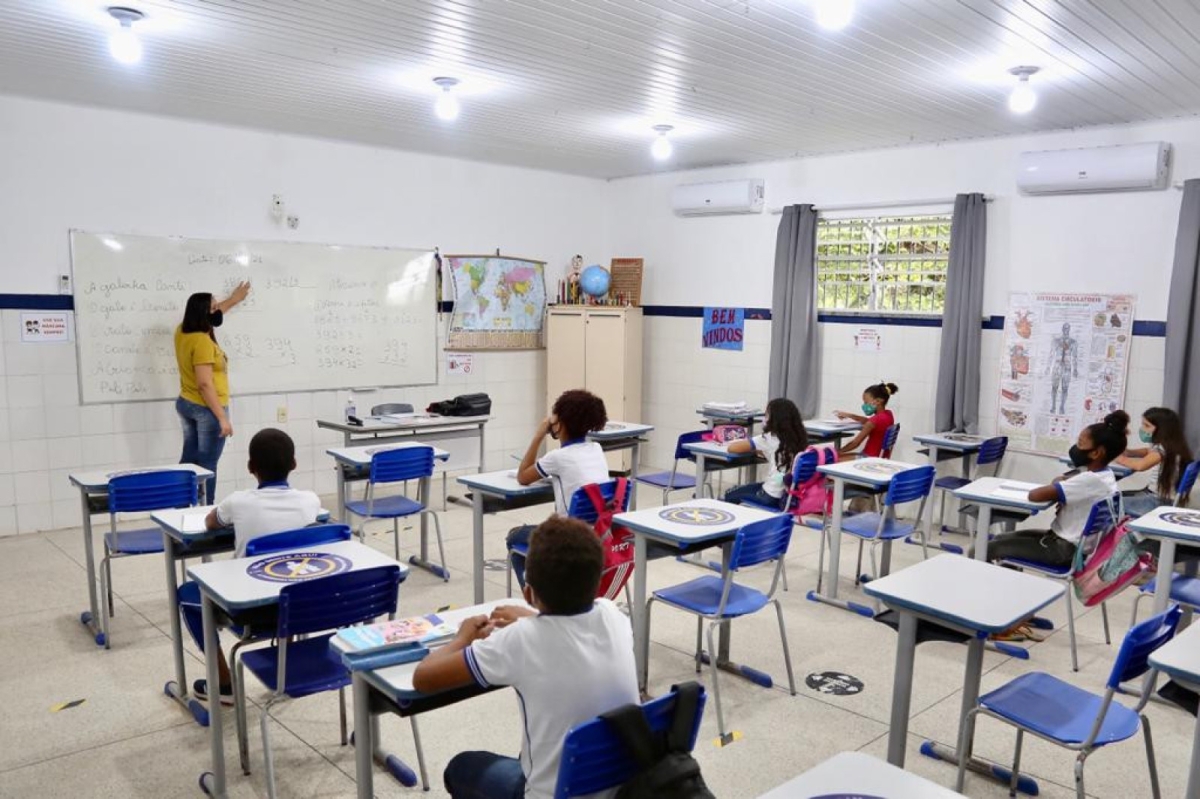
(463, 405)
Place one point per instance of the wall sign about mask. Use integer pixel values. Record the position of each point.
(724, 328)
(42, 326)
(1063, 366)
(868, 339)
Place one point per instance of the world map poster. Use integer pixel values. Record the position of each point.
(499, 303)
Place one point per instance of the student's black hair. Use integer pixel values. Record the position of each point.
(579, 412)
(564, 565)
(881, 391)
(196, 313)
(785, 423)
(1168, 434)
(1110, 434)
(272, 455)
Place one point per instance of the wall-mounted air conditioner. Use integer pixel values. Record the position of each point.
(726, 197)
(1120, 167)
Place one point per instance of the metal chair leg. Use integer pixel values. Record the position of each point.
(699, 642)
(783, 572)
(396, 536)
(342, 715)
(821, 554)
(509, 574)
(444, 493)
(264, 723)
(1016, 766)
(1071, 629)
(106, 588)
(966, 723)
(858, 565)
(437, 529)
(1155, 792)
(420, 754)
(787, 652)
(1136, 600)
(1079, 761)
(238, 673)
(714, 671)
(112, 611)
(1104, 615)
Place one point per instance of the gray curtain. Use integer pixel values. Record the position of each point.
(957, 404)
(795, 351)
(1183, 330)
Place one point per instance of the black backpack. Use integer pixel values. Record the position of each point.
(463, 405)
(666, 768)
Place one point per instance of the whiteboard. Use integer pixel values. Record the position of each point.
(318, 316)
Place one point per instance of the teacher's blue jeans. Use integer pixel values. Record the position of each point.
(483, 775)
(202, 441)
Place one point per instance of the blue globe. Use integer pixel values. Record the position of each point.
(595, 281)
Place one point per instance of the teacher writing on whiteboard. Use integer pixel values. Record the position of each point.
(203, 403)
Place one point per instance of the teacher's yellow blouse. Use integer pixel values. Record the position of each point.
(196, 349)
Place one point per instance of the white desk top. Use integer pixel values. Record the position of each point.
(854, 774)
(1000, 493)
(1180, 524)
(98, 480)
(962, 442)
(187, 524)
(691, 522)
(867, 471)
(828, 426)
(1180, 657)
(965, 592)
(711, 449)
(504, 484)
(361, 456)
(616, 431)
(756, 414)
(382, 424)
(232, 586)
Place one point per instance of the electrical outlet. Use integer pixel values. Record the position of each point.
(281, 414)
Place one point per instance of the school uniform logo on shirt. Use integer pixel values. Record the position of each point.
(297, 566)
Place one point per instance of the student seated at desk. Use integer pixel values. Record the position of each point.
(569, 661)
(782, 439)
(875, 421)
(1164, 458)
(273, 507)
(576, 463)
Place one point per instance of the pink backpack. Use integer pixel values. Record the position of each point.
(724, 433)
(813, 497)
(1115, 563)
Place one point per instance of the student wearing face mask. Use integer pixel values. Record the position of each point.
(203, 402)
(1164, 455)
(875, 421)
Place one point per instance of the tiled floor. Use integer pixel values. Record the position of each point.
(129, 740)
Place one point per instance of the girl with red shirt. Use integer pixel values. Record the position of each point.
(875, 421)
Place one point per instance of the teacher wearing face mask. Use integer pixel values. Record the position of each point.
(203, 403)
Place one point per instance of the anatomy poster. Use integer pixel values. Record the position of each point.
(1063, 366)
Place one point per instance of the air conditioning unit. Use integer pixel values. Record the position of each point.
(1120, 167)
(726, 197)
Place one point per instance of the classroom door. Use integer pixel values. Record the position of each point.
(605, 369)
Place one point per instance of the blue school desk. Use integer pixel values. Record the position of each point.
(854, 774)
(831, 429)
(390, 689)
(705, 451)
(1180, 660)
(617, 436)
(1170, 526)
(93, 496)
(871, 472)
(668, 525)
(503, 486)
(996, 492)
(968, 597)
(231, 586)
(947, 446)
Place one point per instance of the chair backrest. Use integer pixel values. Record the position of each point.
(910, 485)
(391, 407)
(890, 436)
(1102, 516)
(1141, 640)
(762, 541)
(339, 600)
(160, 490)
(1186, 482)
(406, 463)
(804, 467)
(594, 759)
(581, 507)
(991, 451)
(694, 436)
(296, 539)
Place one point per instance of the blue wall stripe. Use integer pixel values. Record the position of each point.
(1146, 327)
(38, 302)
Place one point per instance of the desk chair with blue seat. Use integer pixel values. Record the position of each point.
(991, 453)
(719, 600)
(1100, 520)
(294, 667)
(1185, 588)
(804, 467)
(673, 480)
(890, 437)
(1063, 714)
(398, 466)
(595, 758)
(139, 493)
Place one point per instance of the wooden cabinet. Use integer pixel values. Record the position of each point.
(599, 349)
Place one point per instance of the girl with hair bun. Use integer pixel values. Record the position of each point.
(875, 420)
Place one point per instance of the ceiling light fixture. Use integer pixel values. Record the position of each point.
(124, 43)
(1023, 98)
(834, 15)
(661, 149)
(112, 244)
(447, 106)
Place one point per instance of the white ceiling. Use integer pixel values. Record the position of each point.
(575, 85)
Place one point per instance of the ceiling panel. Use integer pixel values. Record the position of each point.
(575, 85)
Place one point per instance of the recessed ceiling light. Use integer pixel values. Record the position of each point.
(447, 106)
(834, 15)
(1023, 98)
(124, 43)
(661, 149)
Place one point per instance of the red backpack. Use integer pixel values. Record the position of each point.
(617, 541)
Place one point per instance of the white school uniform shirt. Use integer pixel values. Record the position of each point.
(768, 445)
(270, 508)
(573, 465)
(1076, 496)
(1153, 471)
(566, 670)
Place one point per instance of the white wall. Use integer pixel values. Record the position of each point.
(70, 167)
(1102, 243)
